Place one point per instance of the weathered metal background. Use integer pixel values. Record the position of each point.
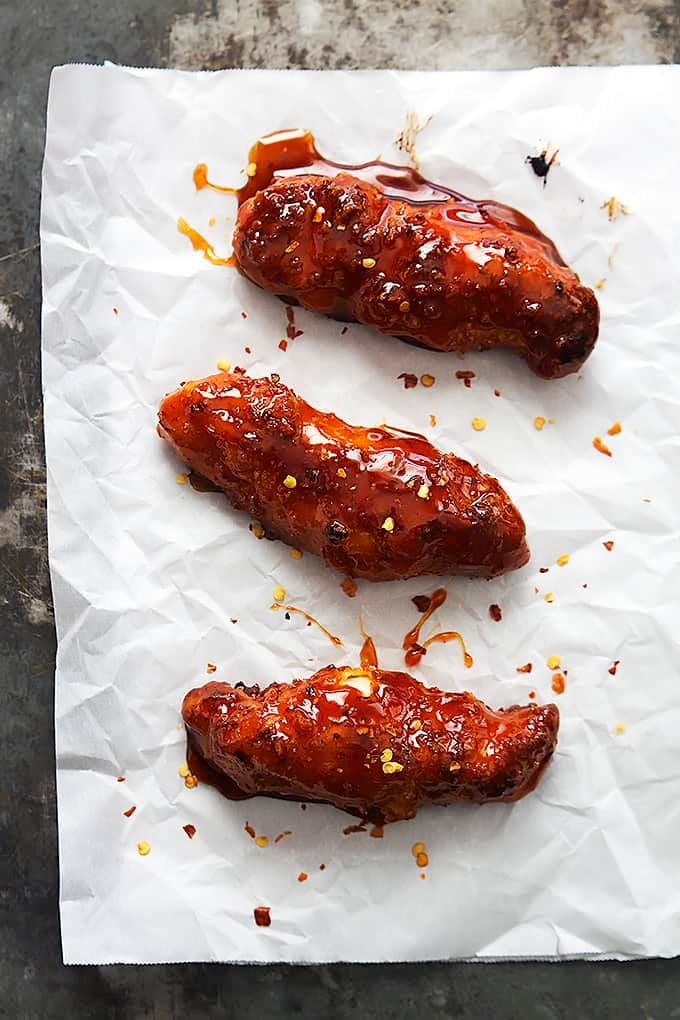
(441, 34)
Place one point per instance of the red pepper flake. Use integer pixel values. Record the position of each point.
(130, 811)
(232, 619)
(282, 835)
(303, 807)
(262, 916)
(410, 380)
(244, 315)
(303, 876)
(349, 587)
(283, 345)
(250, 830)
(466, 378)
(115, 311)
(247, 350)
(495, 612)
(344, 330)
(349, 829)
(532, 694)
(211, 667)
(558, 683)
(585, 585)
(543, 570)
(614, 666)
(614, 429)
(526, 668)
(421, 602)
(600, 447)
(496, 393)
(291, 332)
(190, 830)
(377, 832)
(322, 867)
(120, 779)
(609, 545)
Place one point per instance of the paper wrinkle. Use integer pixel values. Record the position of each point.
(147, 574)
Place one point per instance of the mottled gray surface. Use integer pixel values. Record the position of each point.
(33, 37)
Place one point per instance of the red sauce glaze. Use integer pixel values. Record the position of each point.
(371, 742)
(379, 244)
(347, 486)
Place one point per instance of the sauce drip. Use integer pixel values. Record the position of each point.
(200, 243)
(293, 152)
(437, 599)
(201, 181)
(416, 651)
(369, 655)
(333, 638)
(411, 643)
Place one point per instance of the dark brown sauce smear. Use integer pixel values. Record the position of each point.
(293, 152)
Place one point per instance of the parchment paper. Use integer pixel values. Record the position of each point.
(148, 574)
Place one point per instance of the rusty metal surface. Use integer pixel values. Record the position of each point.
(292, 33)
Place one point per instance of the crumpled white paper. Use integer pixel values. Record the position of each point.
(147, 573)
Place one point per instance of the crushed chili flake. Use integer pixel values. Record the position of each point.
(349, 587)
(115, 311)
(232, 619)
(428, 380)
(120, 779)
(250, 830)
(614, 429)
(496, 393)
(433, 420)
(283, 345)
(190, 830)
(322, 867)
(601, 447)
(543, 570)
(344, 330)
(614, 207)
(421, 602)
(410, 380)
(526, 668)
(303, 876)
(282, 835)
(211, 667)
(247, 350)
(130, 811)
(349, 829)
(614, 666)
(377, 832)
(609, 545)
(531, 694)
(244, 315)
(465, 377)
(495, 612)
(262, 916)
(558, 683)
